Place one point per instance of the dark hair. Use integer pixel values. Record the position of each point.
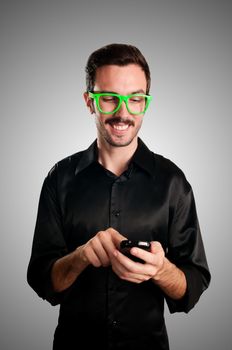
(115, 54)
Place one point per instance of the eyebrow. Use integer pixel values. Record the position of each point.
(141, 91)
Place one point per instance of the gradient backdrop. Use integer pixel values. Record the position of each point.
(44, 46)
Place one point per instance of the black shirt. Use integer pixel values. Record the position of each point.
(152, 201)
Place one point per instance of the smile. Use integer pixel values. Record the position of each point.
(120, 127)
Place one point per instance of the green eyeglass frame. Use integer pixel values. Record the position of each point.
(121, 98)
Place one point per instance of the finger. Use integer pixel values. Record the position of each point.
(142, 254)
(134, 278)
(128, 264)
(153, 260)
(128, 269)
(96, 253)
(116, 236)
(127, 275)
(156, 247)
(107, 242)
(100, 252)
(92, 256)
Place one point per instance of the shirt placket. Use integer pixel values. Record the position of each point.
(115, 221)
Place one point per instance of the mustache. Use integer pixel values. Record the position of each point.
(115, 120)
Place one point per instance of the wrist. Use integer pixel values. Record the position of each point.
(171, 280)
(80, 261)
(165, 272)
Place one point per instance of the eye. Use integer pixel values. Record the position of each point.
(109, 98)
(136, 99)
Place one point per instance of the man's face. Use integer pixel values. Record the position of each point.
(121, 128)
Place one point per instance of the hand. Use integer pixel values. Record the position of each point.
(131, 271)
(99, 250)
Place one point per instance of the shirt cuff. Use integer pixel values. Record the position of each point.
(193, 292)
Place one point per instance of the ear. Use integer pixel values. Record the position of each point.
(89, 102)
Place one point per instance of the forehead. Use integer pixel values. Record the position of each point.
(121, 79)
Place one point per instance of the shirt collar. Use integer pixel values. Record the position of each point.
(142, 157)
(88, 157)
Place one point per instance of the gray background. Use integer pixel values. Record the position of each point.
(43, 50)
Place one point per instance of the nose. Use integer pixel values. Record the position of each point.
(122, 112)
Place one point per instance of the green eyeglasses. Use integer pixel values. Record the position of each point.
(110, 103)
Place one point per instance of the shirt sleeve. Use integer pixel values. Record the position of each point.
(186, 250)
(48, 241)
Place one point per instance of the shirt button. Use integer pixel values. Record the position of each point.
(117, 213)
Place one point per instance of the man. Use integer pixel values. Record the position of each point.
(117, 189)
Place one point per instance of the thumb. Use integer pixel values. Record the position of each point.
(156, 247)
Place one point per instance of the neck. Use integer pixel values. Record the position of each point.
(115, 159)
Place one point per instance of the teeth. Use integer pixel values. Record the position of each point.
(120, 127)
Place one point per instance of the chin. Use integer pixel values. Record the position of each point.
(119, 143)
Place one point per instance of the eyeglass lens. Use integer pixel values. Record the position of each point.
(135, 104)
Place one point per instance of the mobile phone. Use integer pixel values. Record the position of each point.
(126, 245)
